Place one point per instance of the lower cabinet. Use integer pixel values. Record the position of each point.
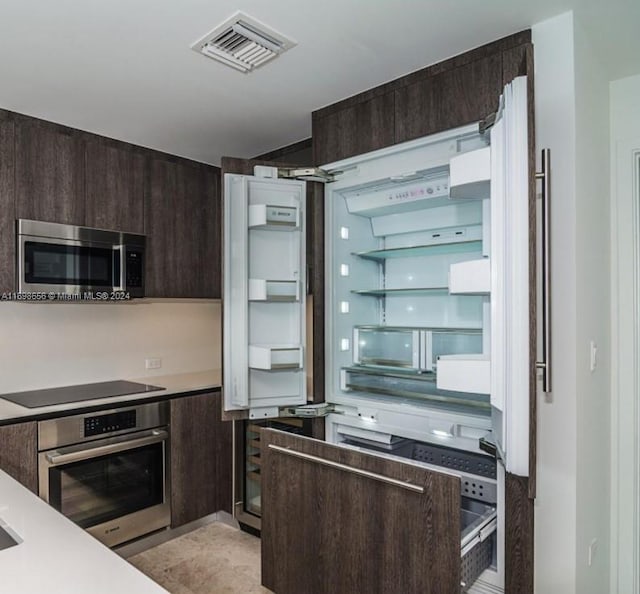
(19, 453)
(200, 458)
(335, 520)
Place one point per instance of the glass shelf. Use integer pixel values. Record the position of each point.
(407, 291)
(456, 247)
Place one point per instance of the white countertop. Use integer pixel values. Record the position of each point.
(56, 556)
(173, 384)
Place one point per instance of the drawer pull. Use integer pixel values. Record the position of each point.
(372, 475)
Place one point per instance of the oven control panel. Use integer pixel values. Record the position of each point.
(117, 421)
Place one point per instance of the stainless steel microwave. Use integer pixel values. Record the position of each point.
(66, 260)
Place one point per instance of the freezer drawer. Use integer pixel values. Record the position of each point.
(354, 511)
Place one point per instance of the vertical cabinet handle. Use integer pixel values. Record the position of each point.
(545, 364)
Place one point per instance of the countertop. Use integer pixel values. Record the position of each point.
(183, 383)
(56, 556)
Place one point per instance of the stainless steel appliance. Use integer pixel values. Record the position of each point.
(108, 470)
(70, 260)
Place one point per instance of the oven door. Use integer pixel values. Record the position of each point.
(68, 266)
(116, 488)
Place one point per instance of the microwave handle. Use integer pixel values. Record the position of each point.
(59, 457)
(119, 251)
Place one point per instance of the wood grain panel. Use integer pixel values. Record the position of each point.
(355, 130)
(489, 49)
(519, 536)
(19, 453)
(448, 100)
(514, 62)
(7, 203)
(114, 185)
(352, 533)
(182, 218)
(200, 458)
(49, 172)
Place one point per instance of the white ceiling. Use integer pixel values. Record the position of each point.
(124, 69)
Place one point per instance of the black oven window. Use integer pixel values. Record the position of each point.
(94, 491)
(54, 264)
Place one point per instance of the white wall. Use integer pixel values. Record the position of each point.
(572, 114)
(555, 511)
(46, 345)
(593, 269)
(625, 140)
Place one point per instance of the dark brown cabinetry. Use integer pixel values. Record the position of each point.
(114, 185)
(54, 173)
(49, 172)
(356, 525)
(453, 98)
(7, 202)
(19, 453)
(182, 222)
(200, 458)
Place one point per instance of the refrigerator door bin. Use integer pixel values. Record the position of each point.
(472, 277)
(273, 290)
(278, 218)
(272, 357)
(470, 174)
(464, 373)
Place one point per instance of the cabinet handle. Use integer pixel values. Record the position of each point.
(372, 475)
(545, 364)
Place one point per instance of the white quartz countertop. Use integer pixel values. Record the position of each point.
(56, 556)
(173, 384)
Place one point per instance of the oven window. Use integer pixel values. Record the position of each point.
(97, 490)
(54, 264)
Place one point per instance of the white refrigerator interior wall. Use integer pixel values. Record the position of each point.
(593, 269)
(555, 506)
(625, 138)
(60, 344)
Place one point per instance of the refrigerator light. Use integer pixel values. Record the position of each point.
(344, 344)
(344, 232)
(440, 433)
(344, 307)
(344, 270)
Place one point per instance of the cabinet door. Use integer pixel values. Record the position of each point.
(337, 520)
(182, 226)
(200, 458)
(453, 98)
(114, 185)
(354, 130)
(19, 453)
(7, 203)
(49, 172)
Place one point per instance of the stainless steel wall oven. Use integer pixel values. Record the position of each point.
(108, 471)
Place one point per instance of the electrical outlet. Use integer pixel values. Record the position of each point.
(153, 363)
(593, 549)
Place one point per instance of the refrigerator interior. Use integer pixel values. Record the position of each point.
(409, 323)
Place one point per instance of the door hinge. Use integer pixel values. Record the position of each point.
(487, 123)
(308, 411)
(307, 174)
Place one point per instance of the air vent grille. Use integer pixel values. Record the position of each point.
(243, 43)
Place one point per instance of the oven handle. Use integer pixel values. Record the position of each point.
(58, 457)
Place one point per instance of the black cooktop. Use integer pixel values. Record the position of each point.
(67, 394)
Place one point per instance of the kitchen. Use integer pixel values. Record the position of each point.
(49, 345)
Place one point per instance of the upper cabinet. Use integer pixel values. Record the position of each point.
(57, 174)
(181, 221)
(114, 185)
(453, 98)
(49, 172)
(354, 129)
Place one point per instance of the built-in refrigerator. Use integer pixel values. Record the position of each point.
(428, 355)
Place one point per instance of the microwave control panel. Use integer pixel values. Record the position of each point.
(135, 265)
(108, 423)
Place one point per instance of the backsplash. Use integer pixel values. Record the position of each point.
(52, 345)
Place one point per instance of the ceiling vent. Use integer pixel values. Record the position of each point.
(243, 43)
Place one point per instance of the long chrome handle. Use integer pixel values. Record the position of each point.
(545, 176)
(372, 475)
(59, 457)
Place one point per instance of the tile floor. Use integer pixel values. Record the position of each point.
(214, 559)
